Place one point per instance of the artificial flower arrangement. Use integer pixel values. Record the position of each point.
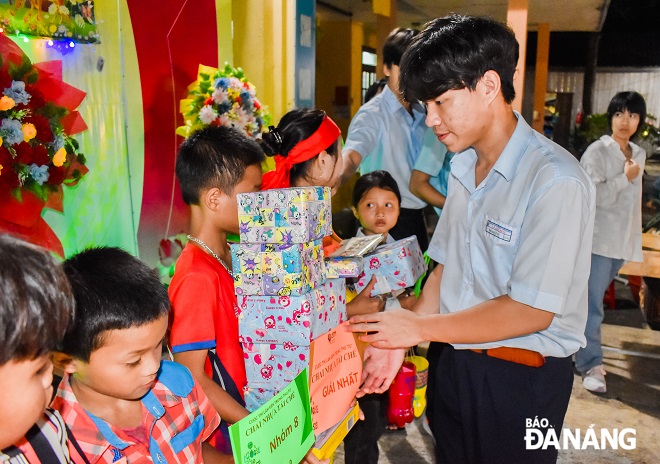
(223, 97)
(37, 119)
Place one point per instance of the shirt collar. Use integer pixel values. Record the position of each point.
(509, 159)
(393, 104)
(95, 432)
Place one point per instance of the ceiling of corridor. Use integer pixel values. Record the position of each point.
(562, 15)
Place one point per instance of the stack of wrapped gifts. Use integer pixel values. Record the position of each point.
(285, 299)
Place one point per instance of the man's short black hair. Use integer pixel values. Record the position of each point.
(113, 291)
(375, 179)
(627, 101)
(455, 52)
(214, 157)
(36, 304)
(396, 44)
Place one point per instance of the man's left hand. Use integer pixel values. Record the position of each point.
(390, 329)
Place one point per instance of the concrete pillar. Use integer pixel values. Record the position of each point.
(541, 75)
(517, 19)
(384, 25)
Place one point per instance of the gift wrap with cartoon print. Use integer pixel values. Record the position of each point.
(277, 269)
(396, 266)
(290, 215)
(294, 319)
(272, 365)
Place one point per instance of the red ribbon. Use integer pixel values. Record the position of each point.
(321, 139)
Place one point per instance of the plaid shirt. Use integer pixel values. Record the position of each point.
(45, 442)
(178, 415)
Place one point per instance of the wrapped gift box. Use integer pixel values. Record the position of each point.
(291, 215)
(256, 397)
(336, 268)
(294, 319)
(396, 266)
(272, 366)
(277, 269)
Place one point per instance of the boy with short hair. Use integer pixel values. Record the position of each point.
(36, 306)
(213, 166)
(121, 402)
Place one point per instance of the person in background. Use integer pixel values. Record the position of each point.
(615, 165)
(387, 133)
(430, 174)
(36, 308)
(513, 247)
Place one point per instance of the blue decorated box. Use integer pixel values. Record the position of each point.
(277, 269)
(291, 215)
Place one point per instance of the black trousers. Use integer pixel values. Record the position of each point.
(411, 222)
(361, 443)
(481, 405)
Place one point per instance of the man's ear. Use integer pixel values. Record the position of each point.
(387, 70)
(492, 84)
(63, 362)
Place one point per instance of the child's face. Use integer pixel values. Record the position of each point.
(377, 211)
(125, 366)
(26, 390)
(251, 182)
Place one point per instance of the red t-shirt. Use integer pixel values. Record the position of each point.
(204, 313)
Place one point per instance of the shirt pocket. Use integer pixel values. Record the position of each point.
(188, 436)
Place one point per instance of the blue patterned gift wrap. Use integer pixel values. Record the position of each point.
(277, 269)
(291, 215)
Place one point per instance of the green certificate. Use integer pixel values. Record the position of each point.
(278, 432)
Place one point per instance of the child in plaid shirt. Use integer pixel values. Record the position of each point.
(121, 402)
(36, 306)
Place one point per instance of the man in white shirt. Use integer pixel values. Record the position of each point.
(513, 250)
(386, 134)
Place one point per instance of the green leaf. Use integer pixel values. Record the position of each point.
(82, 159)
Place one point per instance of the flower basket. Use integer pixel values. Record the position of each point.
(24, 212)
(223, 97)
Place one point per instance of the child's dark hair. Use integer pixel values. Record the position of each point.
(113, 291)
(396, 44)
(215, 156)
(454, 52)
(627, 101)
(294, 127)
(375, 179)
(374, 89)
(36, 304)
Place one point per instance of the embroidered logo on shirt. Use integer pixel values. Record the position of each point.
(499, 231)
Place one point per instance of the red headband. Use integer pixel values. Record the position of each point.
(304, 150)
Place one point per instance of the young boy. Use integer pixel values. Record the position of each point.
(513, 251)
(36, 307)
(121, 402)
(213, 166)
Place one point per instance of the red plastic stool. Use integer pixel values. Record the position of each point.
(610, 297)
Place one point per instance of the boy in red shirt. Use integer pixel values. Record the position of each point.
(213, 166)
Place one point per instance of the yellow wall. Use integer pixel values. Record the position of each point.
(263, 45)
(333, 66)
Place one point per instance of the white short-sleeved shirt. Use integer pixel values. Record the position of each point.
(618, 225)
(387, 137)
(526, 232)
(434, 160)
